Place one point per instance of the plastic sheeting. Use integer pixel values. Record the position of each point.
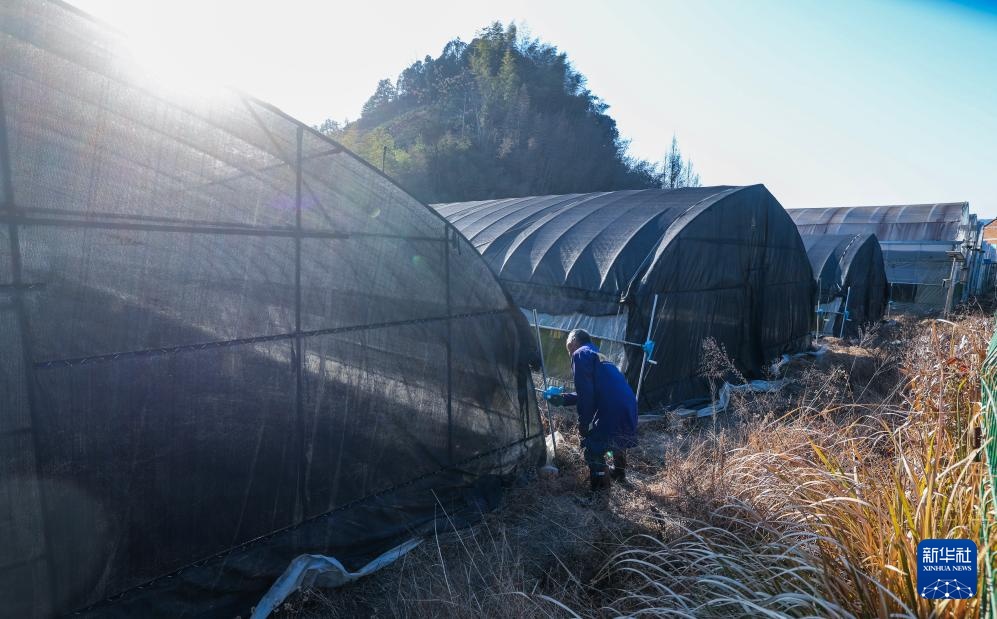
(918, 274)
(848, 267)
(985, 275)
(612, 328)
(723, 398)
(322, 571)
(726, 262)
(226, 341)
(610, 334)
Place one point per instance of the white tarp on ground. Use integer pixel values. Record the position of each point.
(723, 399)
(321, 571)
(720, 405)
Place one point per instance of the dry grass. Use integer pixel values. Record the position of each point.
(806, 502)
(543, 546)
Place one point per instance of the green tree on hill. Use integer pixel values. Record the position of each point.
(500, 116)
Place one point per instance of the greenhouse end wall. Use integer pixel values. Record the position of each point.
(851, 277)
(734, 272)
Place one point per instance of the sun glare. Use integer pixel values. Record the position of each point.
(176, 44)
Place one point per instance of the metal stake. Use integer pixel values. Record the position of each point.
(844, 313)
(817, 313)
(949, 294)
(543, 371)
(643, 363)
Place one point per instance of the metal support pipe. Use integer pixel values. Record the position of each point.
(543, 371)
(844, 313)
(644, 361)
(817, 312)
(953, 273)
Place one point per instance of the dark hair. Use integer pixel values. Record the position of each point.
(581, 336)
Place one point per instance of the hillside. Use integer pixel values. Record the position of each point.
(500, 116)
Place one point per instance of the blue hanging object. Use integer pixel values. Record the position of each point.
(550, 392)
(648, 347)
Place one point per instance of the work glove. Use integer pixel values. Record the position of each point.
(554, 396)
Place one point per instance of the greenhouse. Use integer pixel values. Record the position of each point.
(675, 267)
(925, 246)
(981, 279)
(226, 341)
(852, 290)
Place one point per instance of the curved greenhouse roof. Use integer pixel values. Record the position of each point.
(591, 246)
(910, 222)
(726, 263)
(226, 341)
(848, 268)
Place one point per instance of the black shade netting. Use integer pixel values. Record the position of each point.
(726, 263)
(225, 341)
(849, 268)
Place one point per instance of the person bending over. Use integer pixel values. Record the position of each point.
(607, 409)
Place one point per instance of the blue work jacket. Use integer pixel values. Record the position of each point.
(607, 406)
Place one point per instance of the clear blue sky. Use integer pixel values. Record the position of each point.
(827, 103)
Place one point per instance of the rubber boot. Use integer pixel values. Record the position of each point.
(619, 473)
(599, 480)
